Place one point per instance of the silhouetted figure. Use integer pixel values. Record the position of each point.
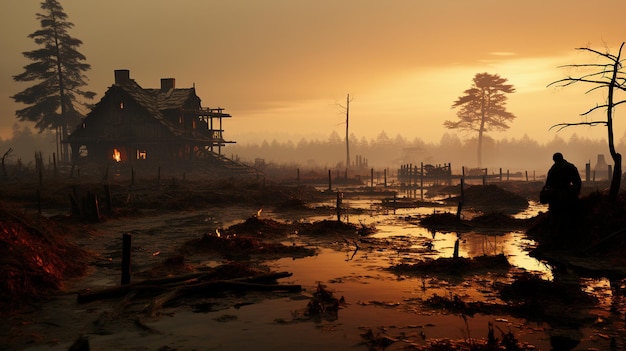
(564, 183)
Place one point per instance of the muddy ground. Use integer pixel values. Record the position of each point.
(56, 243)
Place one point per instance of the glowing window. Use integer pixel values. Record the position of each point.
(117, 155)
(82, 151)
(141, 154)
(121, 105)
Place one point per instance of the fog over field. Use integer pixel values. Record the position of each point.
(390, 152)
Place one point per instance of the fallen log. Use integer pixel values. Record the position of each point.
(211, 287)
(160, 285)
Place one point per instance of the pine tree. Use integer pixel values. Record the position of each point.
(58, 70)
(483, 107)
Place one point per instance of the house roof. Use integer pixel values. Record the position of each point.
(172, 98)
(155, 101)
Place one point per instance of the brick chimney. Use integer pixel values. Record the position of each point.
(167, 84)
(122, 76)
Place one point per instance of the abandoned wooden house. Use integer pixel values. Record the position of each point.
(131, 124)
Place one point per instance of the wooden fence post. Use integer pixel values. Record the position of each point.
(330, 184)
(339, 198)
(422, 180)
(126, 249)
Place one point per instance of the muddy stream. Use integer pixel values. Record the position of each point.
(380, 309)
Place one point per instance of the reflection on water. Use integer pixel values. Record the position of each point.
(514, 245)
(376, 299)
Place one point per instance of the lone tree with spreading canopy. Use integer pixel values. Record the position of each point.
(58, 70)
(483, 107)
(608, 75)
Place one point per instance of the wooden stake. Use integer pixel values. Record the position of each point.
(126, 247)
(330, 185)
(339, 200)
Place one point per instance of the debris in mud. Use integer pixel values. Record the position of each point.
(381, 339)
(165, 291)
(35, 259)
(454, 266)
(323, 305)
(378, 341)
(245, 239)
(328, 228)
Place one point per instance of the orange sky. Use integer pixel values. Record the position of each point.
(283, 67)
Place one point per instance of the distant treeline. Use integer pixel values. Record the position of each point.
(514, 154)
(521, 154)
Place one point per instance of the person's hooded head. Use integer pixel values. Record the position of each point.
(557, 157)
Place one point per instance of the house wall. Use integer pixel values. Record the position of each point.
(118, 122)
(126, 121)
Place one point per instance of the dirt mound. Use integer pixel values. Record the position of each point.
(492, 220)
(34, 258)
(443, 221)
(260, 228)
(327, 227)
(454, 266)
(489, 198)
(241, 247)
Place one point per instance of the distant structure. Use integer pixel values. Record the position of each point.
(601, 169)
(131, 124)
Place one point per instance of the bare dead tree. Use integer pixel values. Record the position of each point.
(609, 75)
(4, 157)
(347, 109)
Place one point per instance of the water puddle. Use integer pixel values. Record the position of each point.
(376, 300)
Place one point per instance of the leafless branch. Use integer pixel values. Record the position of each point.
(599, 53)
(571, 80)
(562, 126)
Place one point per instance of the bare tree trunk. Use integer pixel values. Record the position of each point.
(480, 148)
(347, 142)
(617, 177)
(4, 157)
(617, 157)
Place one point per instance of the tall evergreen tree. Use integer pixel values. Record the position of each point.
(483, 107)
(58, 70)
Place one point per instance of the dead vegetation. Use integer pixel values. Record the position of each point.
(35, 258)
(38, 256)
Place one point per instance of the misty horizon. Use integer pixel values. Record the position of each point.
(390, 152)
